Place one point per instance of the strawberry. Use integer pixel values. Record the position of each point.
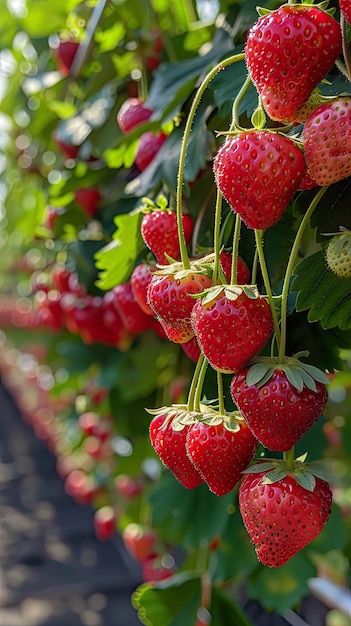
(220, 448)
(134, 318)
(169, 445)
(139, 539)
(327, 141)
(104, 523)
(140, 280)
(231, 325)
(88, 199)
(170, 297)
(192, 349)
(345, 8)
(258, 172)
(288, 52)
(282, 517)
(338, 254)
(160, 233)
(281, 409)
(64, 55)
(132, 113)
(243, 272)
(148, 146)
(177, 335)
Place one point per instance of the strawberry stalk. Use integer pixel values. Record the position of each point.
(199, 386)
(235, 110)
(289, 459)
(217, 237)
(290, 269)
(259, 247)
(235, 251)
(187, 130)
(194, 383)
(345, 48)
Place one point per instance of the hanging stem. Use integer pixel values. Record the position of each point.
(289, 457)
(240, 96)
(259, 246)
(221, 406)
(200, 384)
(217, 233)
(195, 104)
(235, 251)
(290, 268)
(345, 48)
(194, 382)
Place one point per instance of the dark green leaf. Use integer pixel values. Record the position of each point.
(325, 295)
(282, 588)
(160, 604)
(225, 611)
(116, 260)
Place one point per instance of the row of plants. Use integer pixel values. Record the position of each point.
(176, 281)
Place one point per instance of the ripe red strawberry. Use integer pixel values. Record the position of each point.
(64, 55)
(221, 451)
(139, 539)
(282, 517)
(277, 412)
(288, 52)
(243, 272)
(327, 141)
(160, 234)
(169, 445)
(132, 113)
(345, 8)
(88, 199)
(148, 146)
(170, 297)
(177, 335)
(258, 172)
(134, 318)
(140, 280)
(104, 523)
(231, 327)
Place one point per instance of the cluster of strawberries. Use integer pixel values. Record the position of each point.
(284, 503)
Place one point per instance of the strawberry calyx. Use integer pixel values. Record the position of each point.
(179, 272)
(232, 292)
(298, 373)
(181, 417)
(276, 470)
(305, 4)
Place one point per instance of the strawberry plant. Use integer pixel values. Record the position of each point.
(176, 247)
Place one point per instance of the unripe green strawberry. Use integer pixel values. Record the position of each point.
(338, 254)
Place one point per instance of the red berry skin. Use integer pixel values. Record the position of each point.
(132, 113)
(139, 540)
(170, 446)
(277, 413)
(148, 147)
(345, 8)
(88, 199)
(160, 234)
(64, 55)
(171, 300)
(134, 318)
(104, 523)
(288, 52)
(192, 349)
(327, 141)
(231, 332)
(220, 455)
(140, 280)
(243, 272)
(283, 517)
(258, 173)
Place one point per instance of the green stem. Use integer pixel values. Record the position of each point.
(217, 235)
(235, 110)
(182, 243)
(199, 386)
(254, 268)
(290, 268)
(259, 247)
(194, 382)
(289, 457)
(221, 406)
(235, 251)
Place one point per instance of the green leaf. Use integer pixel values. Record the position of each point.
(333, 210)
(282, 588)
(316, 373)
(115, 261)
(308, 380)
(334, 534)
(187, 516)
(274, 476)
(326, 296)
(305, 480)
(159, 604)
(259, 374)
(294, 378)
(225, 611)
